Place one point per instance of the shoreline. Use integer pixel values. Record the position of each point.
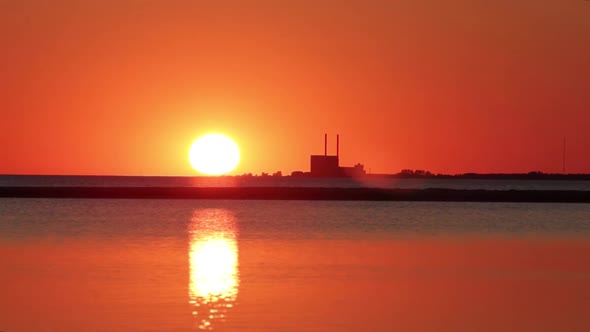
(301, 193)
(532, 176)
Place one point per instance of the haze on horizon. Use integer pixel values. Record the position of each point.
(124, 87)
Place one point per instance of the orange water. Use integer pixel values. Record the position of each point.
(185, 266)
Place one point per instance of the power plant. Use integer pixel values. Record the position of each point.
(329, 166)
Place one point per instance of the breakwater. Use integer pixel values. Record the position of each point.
(301, 193)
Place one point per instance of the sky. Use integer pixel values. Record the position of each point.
(124, 87)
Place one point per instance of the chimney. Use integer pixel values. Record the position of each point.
(325, 144)
(337, 145)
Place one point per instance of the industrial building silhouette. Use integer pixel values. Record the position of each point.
(329, 166)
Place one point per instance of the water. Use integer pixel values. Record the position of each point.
(237, 181)
(186, 265)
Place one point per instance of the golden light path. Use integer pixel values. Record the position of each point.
(213, 263)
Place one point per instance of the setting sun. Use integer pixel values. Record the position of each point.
(214, 154)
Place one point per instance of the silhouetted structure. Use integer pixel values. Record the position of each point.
(329, 166)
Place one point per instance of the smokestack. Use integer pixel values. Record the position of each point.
(337, 145)
(325, 144)
(563, 156)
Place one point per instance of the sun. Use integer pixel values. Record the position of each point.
(214, 154)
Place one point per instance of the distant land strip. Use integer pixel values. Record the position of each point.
(301, 193)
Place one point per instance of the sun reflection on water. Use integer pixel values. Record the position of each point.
(213, 261)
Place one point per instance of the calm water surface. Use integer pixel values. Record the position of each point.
(182, 265)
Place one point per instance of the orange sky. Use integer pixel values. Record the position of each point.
(123, 87)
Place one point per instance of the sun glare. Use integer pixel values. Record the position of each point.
(214, 154)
